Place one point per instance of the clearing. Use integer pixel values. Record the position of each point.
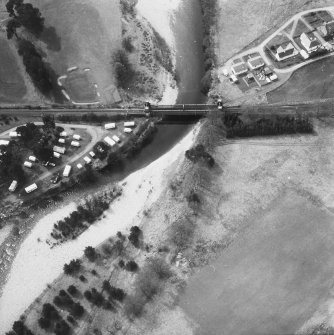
(272, 278)
(311, 82)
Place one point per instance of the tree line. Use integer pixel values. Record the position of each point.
(267, 125)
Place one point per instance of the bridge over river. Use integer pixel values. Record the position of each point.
(319, 108)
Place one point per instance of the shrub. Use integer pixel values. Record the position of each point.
(73, 267)
(77, 310)
(44, 323)
(135, 233)
(131, 266)
(117, 293)
(134, 305)
(160, 267)
(181, 233)
(127, 44)
(90, 253)
(123, 69)
(72, 290)
(62, 328)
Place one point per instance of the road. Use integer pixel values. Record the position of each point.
(261, 47)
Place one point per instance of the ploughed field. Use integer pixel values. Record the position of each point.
(272, 278)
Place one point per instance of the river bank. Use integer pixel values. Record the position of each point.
(164, 140)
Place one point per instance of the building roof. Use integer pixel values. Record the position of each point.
(285, 49)
(240, 68)
(309, 40)
(256, 62)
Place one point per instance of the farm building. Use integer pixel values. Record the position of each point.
(13, 186)
(256, 63)
(31, 188)
(309, 42)
(110, 126)
(285, 51)
(60, 150)
(239, 69)
(109, 141)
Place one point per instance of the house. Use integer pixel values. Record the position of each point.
(309, 42)
(285, 51)
(256, 63)
(327, 29)
(239, 69)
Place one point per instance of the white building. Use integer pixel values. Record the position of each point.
(127, 130)
(75, 144)
(309, 42)
(116, 139)
(4, 142)
(60, 150)
(109, 141)
(13, 186)
(63, 134)
(27, 164)
(285, 51)
(13, 134)
(61, 140)
(32, 158)
(92, 154)
(56, 154)
(110, 126)
(239, 69)
(79, 166)
(31, 188)
(67, 170)
(87, 160)
(76, 137)
(129, 124)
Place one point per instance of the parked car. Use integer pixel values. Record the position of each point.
(55, 179)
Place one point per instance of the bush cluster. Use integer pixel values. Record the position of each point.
(198, 153)
(267, 126)
(134, 237)
(73, 267)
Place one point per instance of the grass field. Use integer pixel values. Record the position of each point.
(12, 86)
(271, 280)
(80, 88)
(314, 81)
(86, 33)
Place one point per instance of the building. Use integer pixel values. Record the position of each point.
(60, 150)
(67, 170)
(75, 144)
(109, 141)
(127, 130)
(76, 137)
(61, 140)
(27, 164)
(110, 126)
(4, 142)
(13, 186)
(256, 63)
(63, 134)
(79, 166)
(31, 188)
(92, 154)
(285, 51)
(309, 42)
(116, 139)
(129, 124)
(13, 134)
(87, 160)
(239, 69)
(32, 158)
(56, 154)
(327, 29)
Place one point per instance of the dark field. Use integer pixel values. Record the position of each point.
(313, 81)
(12, 87)
(272, 278)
